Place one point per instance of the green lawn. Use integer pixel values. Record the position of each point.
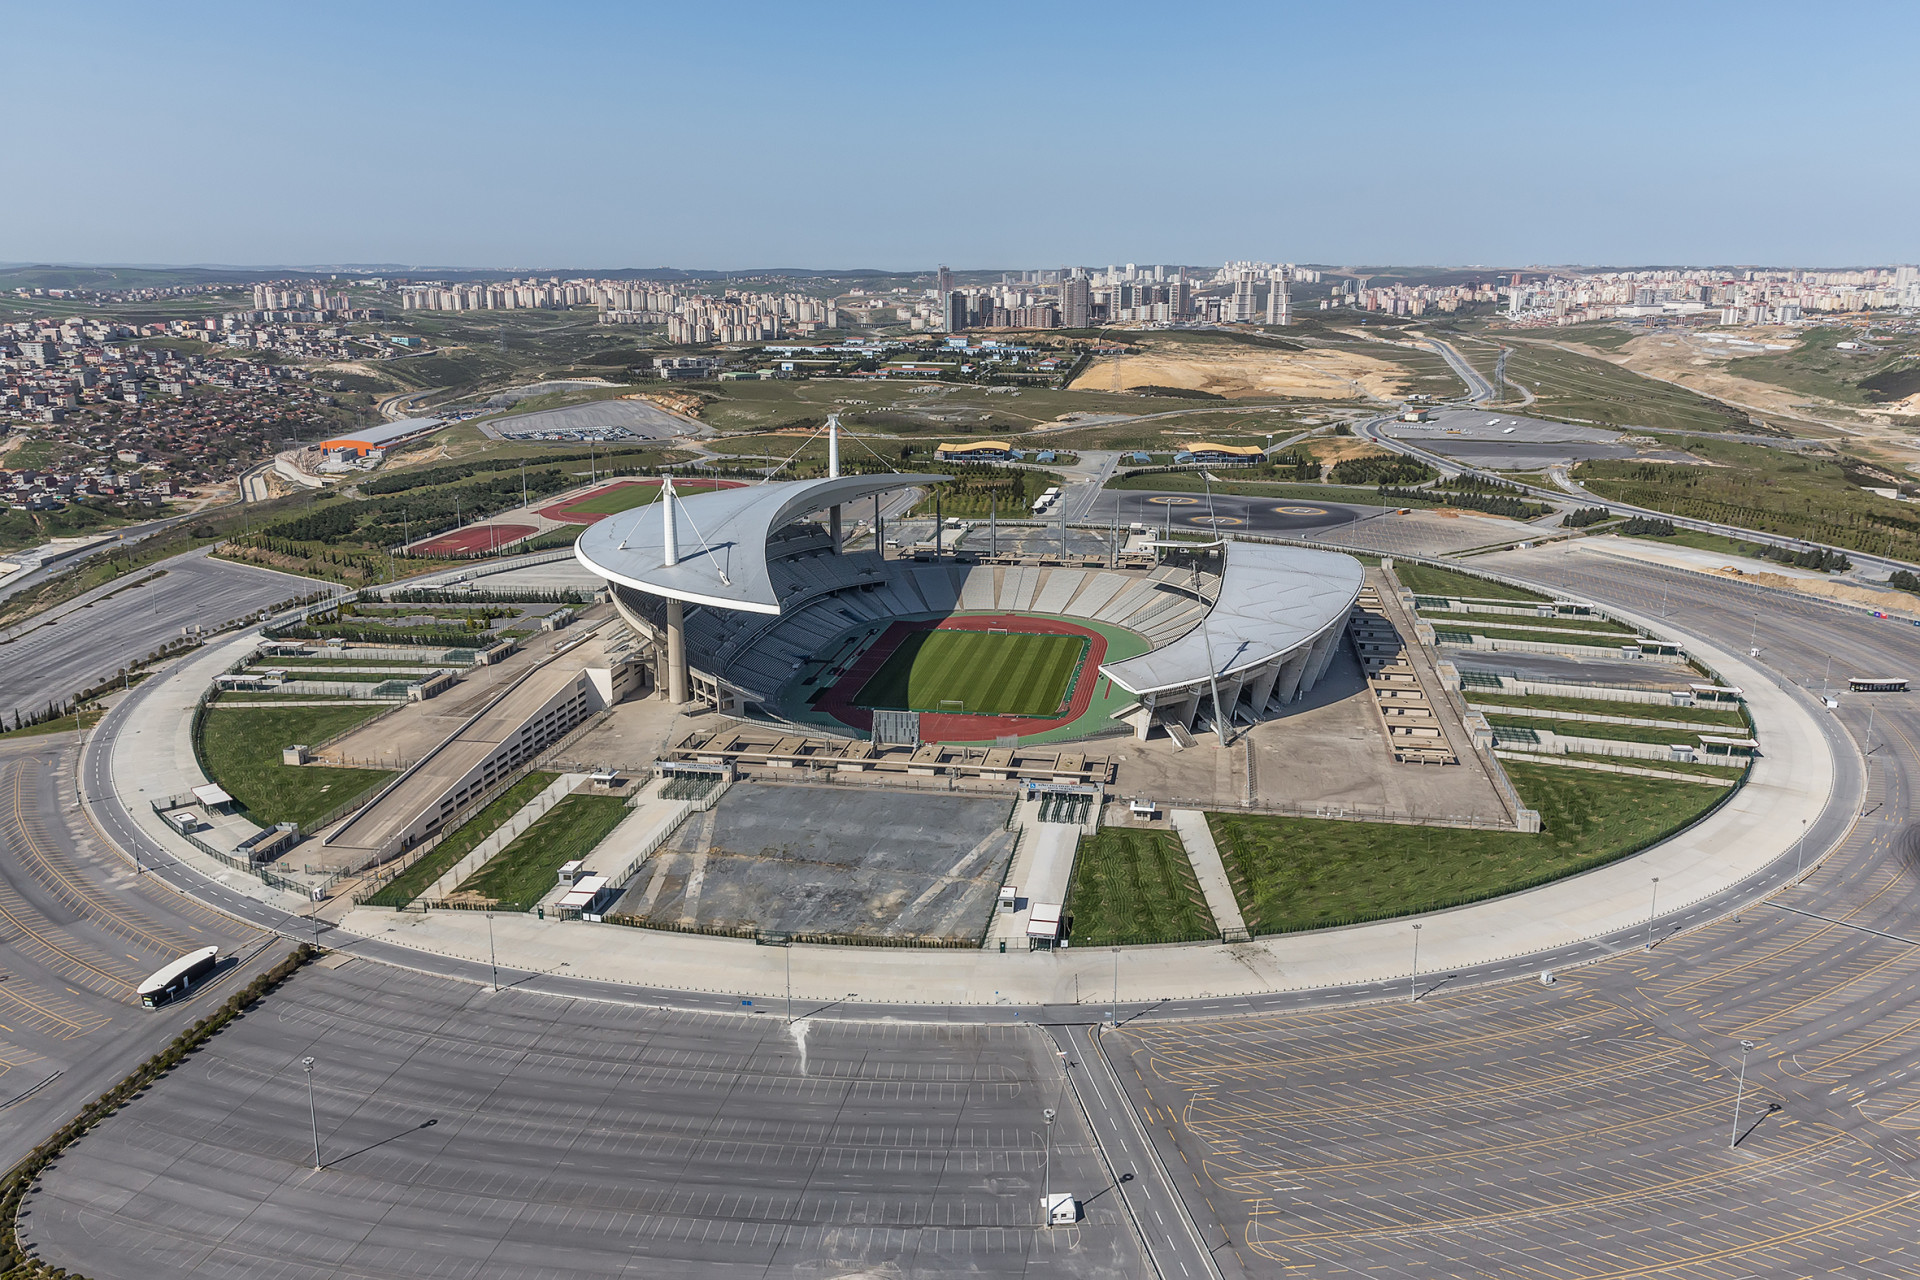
(241, 747)
(626, 497)
(1307, 873)
(1542, 636)
(522, 873)
(1698, 541)
(1706, 717)
(1134, 886)
(1493, 622)
(409, 884)
(1598, 729)
(1426, 580)
(1016, 675)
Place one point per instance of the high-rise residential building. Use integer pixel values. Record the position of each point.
(944, 283)
(1245, 308)
(954, 312)
(1279, 305)
(1076, 301)
(1180, 299)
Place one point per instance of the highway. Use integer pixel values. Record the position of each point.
(54, 654)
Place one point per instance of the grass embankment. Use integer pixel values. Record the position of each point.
(241, 747)
(1698, 541)
(1598, 729)
(1427, 580)
(83, 719)
(1134, 886)
(1309, 873)
(412, 882)
(1494, 624)
(1771, 490)
(1444, 630)
(1706, 717)
(1596, 392)
(523, 872)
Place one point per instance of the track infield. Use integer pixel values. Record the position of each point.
(976, 672)
(624, 495)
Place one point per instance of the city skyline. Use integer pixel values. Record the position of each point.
(597, 136)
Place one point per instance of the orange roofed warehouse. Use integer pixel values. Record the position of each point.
(379, 437)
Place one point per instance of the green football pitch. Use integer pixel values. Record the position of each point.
(977, 672)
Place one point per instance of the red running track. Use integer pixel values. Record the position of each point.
(567, 512)
(944, 726)
(474, 538)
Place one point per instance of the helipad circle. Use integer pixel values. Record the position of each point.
(1216, 521)
(1175, 502)
(1300, 511)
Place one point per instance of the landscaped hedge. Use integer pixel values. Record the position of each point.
(14, 1258)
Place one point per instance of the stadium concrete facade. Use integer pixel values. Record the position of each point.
(772, 589)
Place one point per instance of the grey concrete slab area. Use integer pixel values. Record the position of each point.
(842, 861)
(472, 1134)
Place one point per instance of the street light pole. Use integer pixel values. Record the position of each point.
(1650, 905)
(492, 962)
(789, 949)
(1800, 850)
(1733, 1139)
(1413, 982)
(1046, 1173)
(313, 1116)
(1113, 1014)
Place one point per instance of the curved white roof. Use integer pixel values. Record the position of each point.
(1271, 601)
(721, 538)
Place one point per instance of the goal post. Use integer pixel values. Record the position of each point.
(956, 706)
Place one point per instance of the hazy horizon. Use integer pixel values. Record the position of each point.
(1026, 135)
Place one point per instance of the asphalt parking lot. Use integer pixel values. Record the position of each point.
(81, 930)
(57, 655)
(475, 1135)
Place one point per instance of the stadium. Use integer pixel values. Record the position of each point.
(757, 608)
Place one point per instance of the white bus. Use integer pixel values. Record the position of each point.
(1876, 684)
(178, 978)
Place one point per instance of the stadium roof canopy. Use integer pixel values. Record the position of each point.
(1271, 600)
(721, 538)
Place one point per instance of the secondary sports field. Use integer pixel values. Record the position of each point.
(474, 539)
(977, 672)
(622, 496)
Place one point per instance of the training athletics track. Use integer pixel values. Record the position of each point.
(943, 726)
(473, 539)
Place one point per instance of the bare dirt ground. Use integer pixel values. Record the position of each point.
(1235, 371)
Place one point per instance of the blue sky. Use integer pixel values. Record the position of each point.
(982, 135)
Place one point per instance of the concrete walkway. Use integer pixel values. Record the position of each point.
(1210, 871)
